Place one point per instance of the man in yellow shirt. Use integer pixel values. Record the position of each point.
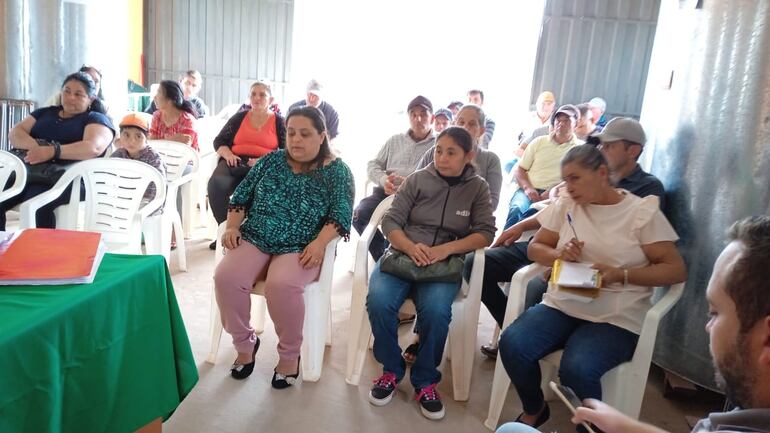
(539, 168)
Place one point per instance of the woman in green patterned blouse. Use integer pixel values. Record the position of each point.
(280, 218)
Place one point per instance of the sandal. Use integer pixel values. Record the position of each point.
(410, 353)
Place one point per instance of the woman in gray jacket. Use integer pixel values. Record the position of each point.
(440, 211)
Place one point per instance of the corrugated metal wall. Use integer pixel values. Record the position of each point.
(231, 42)
(596, 48)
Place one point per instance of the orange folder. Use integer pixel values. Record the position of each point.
(50, 256)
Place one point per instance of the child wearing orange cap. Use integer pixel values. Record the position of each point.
(132, 144)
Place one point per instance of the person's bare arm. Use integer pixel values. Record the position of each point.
(231, 238)
(609, 419)
(312, 255)
(522, 179)
(514, 232)
(20, 137)
(666, 267)
(542, 249)
(96, 138)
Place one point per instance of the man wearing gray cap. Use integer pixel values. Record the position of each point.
(395, 161)
(621, 142)
(314, 98)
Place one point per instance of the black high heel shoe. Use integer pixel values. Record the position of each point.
(242, 371)
(280, 381)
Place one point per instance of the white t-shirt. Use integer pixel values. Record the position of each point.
(613, 235)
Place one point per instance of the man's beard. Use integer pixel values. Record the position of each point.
(734, 375)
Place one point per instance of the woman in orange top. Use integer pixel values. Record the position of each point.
(246, 137)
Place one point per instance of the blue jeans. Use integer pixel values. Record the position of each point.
(516, 427)
(519, 207)
(509, 165)
(590, 350)
(500, 263)
(434, 312)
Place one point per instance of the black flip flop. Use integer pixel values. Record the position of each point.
(411, 349)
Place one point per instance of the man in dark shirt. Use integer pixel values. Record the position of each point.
(315, 99)
(621, 143)
(191, 82)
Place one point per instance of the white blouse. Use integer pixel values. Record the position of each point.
(613, 235)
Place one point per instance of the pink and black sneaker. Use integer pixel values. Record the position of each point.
(430, 402)
(383, 389)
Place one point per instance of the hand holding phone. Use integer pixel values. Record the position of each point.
(568, 396)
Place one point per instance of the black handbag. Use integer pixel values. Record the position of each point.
(44, 173)
(449, 270)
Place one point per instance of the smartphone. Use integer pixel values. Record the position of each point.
(568, 396)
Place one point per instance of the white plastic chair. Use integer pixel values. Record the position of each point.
(158, 228)
(114, 188)
(316, 331)
(208, 129)
(176, 157)
(622, 387)
(462, 329)
(9, 164)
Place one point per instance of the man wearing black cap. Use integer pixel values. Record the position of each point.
(396, 160)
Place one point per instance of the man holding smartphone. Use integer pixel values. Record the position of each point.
(739, 338)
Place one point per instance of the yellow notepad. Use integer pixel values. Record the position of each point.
(576, 279)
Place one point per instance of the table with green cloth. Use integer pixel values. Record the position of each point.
(109, 356)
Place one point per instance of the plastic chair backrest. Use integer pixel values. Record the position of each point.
(10, 163)
(176, 157)
(114, 188)
(379, 211)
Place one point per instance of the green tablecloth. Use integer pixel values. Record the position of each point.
(109, 356)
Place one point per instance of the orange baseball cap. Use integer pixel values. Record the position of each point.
(136, 120)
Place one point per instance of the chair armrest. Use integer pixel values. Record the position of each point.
(327, 266)
(652, 320)
(518, 291)
(158, 201)
(29, 208)
(469, 289)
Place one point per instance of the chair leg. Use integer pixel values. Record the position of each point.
(317, 303)
(259, 305)
(329, 327)
(181, 251)
(462, 347)
(215, 329)
(548, 373)
(187, 209)
(500, 384)
(358, 339)
(495, 337)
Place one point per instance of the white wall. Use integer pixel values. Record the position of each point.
(374, 57)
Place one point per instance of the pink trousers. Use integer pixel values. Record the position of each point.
(285, 281)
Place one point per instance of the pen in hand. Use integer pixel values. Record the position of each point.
(569, 220)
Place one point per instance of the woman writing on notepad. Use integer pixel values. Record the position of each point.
(630, 243)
